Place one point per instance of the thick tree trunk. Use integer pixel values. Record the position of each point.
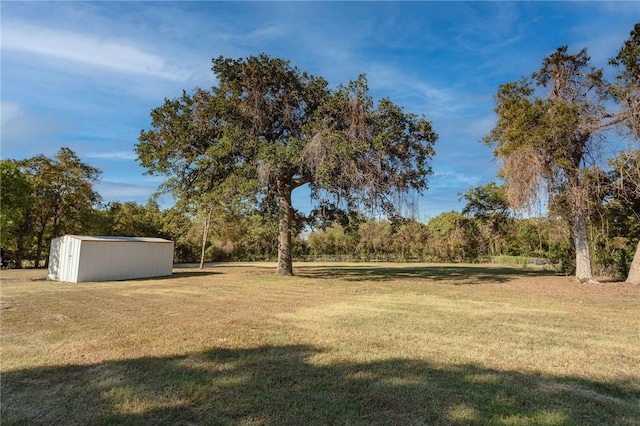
(18, 255)
(205, 236)
(581, 241)
(23, 231)
(285, 260)
(634, 271)
(39, 247)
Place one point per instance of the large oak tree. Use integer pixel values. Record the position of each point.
(268, 128)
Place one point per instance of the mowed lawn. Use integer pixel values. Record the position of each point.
(356, 344)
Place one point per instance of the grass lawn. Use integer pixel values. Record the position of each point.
(337, 344)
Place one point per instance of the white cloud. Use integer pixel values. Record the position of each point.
(262, 33)
(113, 155)
(88, 49)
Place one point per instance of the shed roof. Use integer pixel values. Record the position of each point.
(114, 239)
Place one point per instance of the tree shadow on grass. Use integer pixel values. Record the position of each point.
(281, 385)
(174, 275)
(188, 274)
(464, 274)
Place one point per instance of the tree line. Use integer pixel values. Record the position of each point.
(46, 197)
(235, 153)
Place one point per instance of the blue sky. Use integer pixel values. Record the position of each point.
(87, 74)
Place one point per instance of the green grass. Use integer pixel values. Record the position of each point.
(336, 344)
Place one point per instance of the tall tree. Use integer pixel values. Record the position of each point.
(550, 129)
(271, 128)
(62, 194)
(627, 92)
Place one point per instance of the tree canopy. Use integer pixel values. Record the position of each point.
(15, 192)
(269, 128)
(46, 197)
(551, 127)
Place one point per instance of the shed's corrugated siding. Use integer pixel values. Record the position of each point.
(64, 259)
(70, 259)
(54, 260)
(120, 260)
(77, 259)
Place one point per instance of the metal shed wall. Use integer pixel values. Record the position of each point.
(79, 258)
(63, 259)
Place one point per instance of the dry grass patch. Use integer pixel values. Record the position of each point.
(336, 344)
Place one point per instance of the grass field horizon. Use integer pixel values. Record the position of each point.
(337, 343)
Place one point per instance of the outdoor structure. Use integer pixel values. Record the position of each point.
(75, 258)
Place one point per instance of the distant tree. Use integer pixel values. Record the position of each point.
(528, 237)
(375, 238)
(135, 220)
(547, 139)
(560, 250)
(15, 192)
(409, 239)
(326, 214)
(61, 199)
(487, 201)
(488, 204)
(269, 129)
(333, 240)
(182, 229)
(261, 236)
(619, 212)
(452, 237)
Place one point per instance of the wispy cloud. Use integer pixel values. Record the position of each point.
(453, 178)
(87, 49)
(414, 93)
(22, 128)
(124, 191)
(11, 112)
(113, 155)
(138, 193)
(86, 74)
(488, 28)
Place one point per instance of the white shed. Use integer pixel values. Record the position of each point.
(75, 258)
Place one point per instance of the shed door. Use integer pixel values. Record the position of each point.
(54, 259)
(69, 254)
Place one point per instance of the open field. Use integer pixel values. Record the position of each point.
(336, 344)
